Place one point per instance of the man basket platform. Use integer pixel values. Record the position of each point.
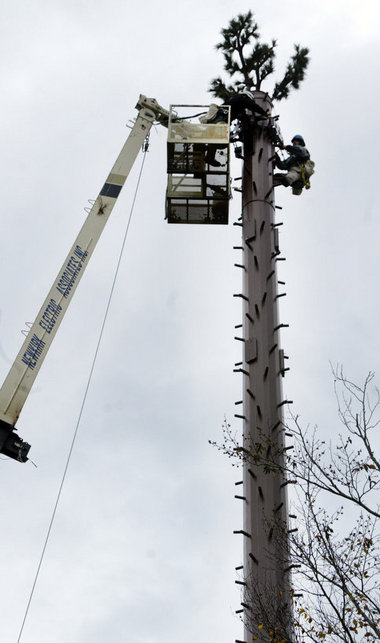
(198, 167)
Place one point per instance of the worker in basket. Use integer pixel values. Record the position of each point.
(298, 165)
(245, 111)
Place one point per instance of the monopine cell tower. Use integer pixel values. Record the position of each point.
(266, 600)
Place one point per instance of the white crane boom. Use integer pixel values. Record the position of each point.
(23, 372)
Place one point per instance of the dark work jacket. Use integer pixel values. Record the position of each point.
(242, 101)
(298, 155)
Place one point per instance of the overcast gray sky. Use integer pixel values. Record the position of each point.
(142, 549)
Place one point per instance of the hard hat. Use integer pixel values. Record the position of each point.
(298, 137)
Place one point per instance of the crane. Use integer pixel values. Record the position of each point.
(198, 192)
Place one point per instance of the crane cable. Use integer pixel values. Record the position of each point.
(144, 149)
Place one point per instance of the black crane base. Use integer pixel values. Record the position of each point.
(11, 444)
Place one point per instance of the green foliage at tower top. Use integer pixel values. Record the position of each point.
(249, 62)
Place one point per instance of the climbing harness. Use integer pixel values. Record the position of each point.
(305, 178)
(307, 169)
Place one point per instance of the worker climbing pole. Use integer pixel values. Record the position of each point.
(266, 603)
(299, 166)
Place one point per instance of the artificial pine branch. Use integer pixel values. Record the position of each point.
(295, 73)
(249, 68)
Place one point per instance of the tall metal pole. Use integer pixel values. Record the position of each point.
(267, 596)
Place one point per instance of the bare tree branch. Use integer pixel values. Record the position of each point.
(335, 561)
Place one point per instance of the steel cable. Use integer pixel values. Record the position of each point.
(145, 149)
